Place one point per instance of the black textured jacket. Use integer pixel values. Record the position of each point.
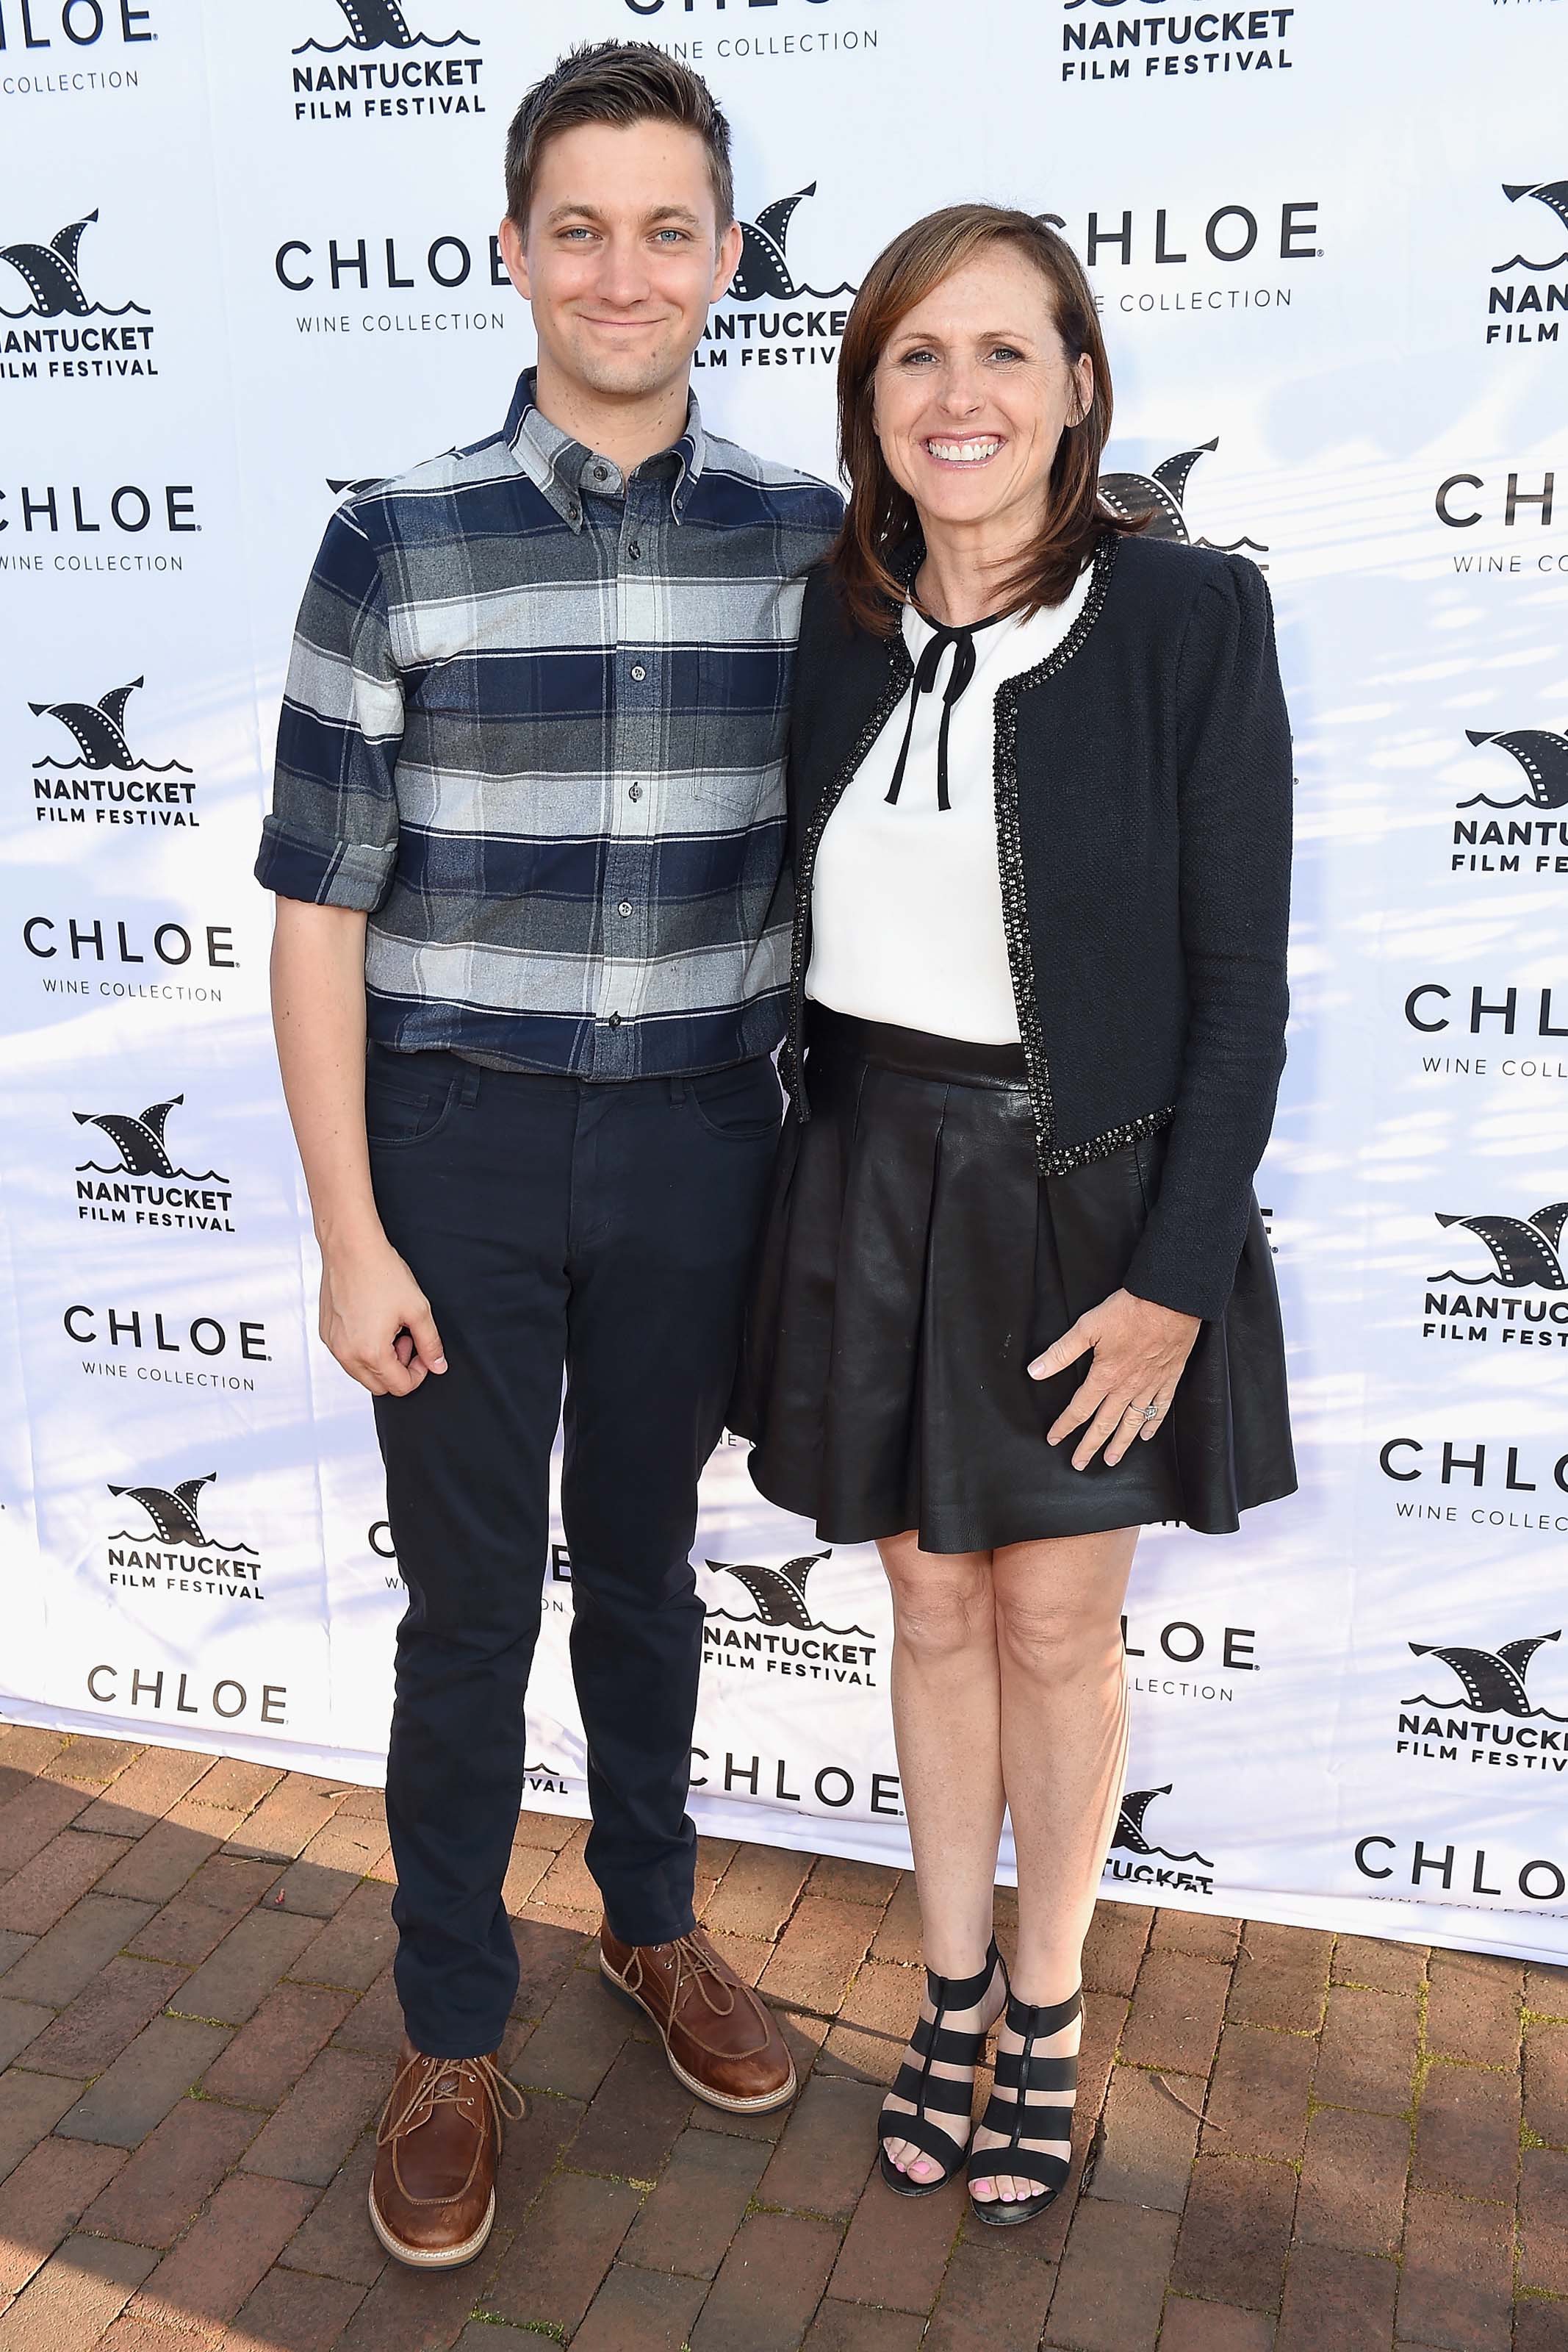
(1143, 779)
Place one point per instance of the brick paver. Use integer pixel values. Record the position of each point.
(1457, 2276)
(1178, 2005)
(997, 2291)
(80, 2290)
(1337, 2303)
(696, 2207)
(1285, 2141)
(1112, 2289)
(45, 2197)
(769, 2285)
(1466, 2132)
(136, 2092)
(107, 2014)
(150, 2201)
(1258, 2100)
(1353, 2181)
(1148, 2137)
(44, 1889)
(58, 1966)
(896, 2248)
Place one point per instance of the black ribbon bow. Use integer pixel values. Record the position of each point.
(963, 643)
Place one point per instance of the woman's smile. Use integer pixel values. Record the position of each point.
(972, 449)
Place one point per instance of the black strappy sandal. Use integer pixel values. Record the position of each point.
(934, 2043)
(1022, 2073)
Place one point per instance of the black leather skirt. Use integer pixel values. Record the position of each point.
(914, 1263)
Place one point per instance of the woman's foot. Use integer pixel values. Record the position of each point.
(939, 2091)
(1043, 2133)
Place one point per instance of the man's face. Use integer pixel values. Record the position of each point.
(621, 255)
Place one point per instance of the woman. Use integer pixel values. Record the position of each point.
(1015, 1299)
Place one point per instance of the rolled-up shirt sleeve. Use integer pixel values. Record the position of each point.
(331, 835)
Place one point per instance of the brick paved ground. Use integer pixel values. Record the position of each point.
(1286, 2139)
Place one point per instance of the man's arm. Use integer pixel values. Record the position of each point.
(329, 850)
(368, 1295)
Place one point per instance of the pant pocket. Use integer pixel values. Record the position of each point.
(743, 1105)
(406, 1108)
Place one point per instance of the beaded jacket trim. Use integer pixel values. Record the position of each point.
(1009, 857)
(901, 671)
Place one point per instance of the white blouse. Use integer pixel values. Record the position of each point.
(906, 901)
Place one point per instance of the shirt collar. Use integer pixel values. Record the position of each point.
(561, 469)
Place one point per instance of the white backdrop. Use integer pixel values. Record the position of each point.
(1331, 260)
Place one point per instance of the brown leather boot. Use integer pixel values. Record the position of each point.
(432, 2193)
(719, 2038)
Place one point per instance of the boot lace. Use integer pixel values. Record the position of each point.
(699, 1969)
(438, 2081)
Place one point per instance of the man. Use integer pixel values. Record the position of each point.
(533, 732)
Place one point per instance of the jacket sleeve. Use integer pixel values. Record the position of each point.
(821, 637)
(1234, 819)
(806, 676)
(331, 837)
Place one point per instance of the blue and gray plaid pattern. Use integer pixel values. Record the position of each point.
(534, 725)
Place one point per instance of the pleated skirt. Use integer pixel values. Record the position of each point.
(914, 1262)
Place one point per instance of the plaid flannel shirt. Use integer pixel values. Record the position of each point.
(534, 725)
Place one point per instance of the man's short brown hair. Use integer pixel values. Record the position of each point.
(617, 82)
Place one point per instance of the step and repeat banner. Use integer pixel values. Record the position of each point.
(248, 261)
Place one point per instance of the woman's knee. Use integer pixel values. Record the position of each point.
(1055, 1645)
(941, 1608)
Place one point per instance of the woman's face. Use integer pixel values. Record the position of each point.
(973, 392)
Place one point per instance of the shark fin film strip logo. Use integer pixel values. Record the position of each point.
(1528, 298)
(1160, 495)
(1145, 1862)
(781, 1635)
(133, 1180)
(1489, 840)
(385, 66)
(790, 1636)
(108, 780)
(54, 336)
(165, 1547)
(1501, 1713)
(1519, 1298)
(1483, 1711)
(772, 318)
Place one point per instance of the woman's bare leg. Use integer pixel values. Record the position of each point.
(946, 1719)
(1063, 1745)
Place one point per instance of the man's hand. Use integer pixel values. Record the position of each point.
(374, 1317)
(377, 1322)
(1139, 1351)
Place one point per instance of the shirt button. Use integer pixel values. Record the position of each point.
(635, 794)
(634, 550)
(601, 473)
(638, 672)
(574, 514)
(614, 1022)
(624, 907)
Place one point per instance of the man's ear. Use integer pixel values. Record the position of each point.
(514, 256)
(728, 262)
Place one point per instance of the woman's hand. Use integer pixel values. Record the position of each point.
(1139, 1351)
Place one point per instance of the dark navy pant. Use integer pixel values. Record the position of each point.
(605, 1230)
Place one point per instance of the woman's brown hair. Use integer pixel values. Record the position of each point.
(882, 524)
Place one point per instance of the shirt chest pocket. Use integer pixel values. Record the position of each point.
(742, 719)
